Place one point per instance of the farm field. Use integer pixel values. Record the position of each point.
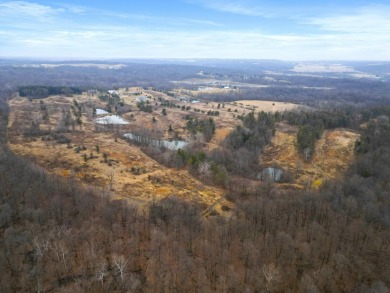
(270, 106)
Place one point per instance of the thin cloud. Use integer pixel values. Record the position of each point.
(23, 9)
(76, 9)
(153, 18)
(143, 36)
(237, 7)
(372, 19)
(134, 42)
(198, 21)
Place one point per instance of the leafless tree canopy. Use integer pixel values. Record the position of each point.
(56, 236)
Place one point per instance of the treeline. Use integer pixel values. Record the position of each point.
(56, 236)
(39, 92)
(158, 76)
(316, 97)
(145, 106)
(312, 123)
(241, 149)
(205, 127)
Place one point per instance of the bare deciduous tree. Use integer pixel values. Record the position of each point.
(204, 170)
(101, 274)
(110, 177)
(120, 264)
(272, 275)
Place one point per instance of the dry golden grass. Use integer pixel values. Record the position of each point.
(268, 106)
(153, 181)
(212, 90)
(333, 154)
(219, 136)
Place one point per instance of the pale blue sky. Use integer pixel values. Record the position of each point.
(270, 29)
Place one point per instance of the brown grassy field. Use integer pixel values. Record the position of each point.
(124, 169)
(131, 174)
(207, 90)
(333, 154)
(269, 106)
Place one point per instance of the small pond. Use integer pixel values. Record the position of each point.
(171, 145)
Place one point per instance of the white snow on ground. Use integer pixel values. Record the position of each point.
(112, 119)
(101, 112)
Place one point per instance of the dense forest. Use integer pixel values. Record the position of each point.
(142, 75)
(307, 96)
(57, 236)
(39, 92)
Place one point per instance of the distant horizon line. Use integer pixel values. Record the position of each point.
(188, 59)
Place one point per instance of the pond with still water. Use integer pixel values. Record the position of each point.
(144, 140)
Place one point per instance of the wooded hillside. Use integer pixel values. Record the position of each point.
(58, 236)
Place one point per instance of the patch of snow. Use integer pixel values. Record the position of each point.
(140, 99)
(205, 88)
(320, 68)
(365, 75)
(112, 119)
(269, 78)
(101, 112)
